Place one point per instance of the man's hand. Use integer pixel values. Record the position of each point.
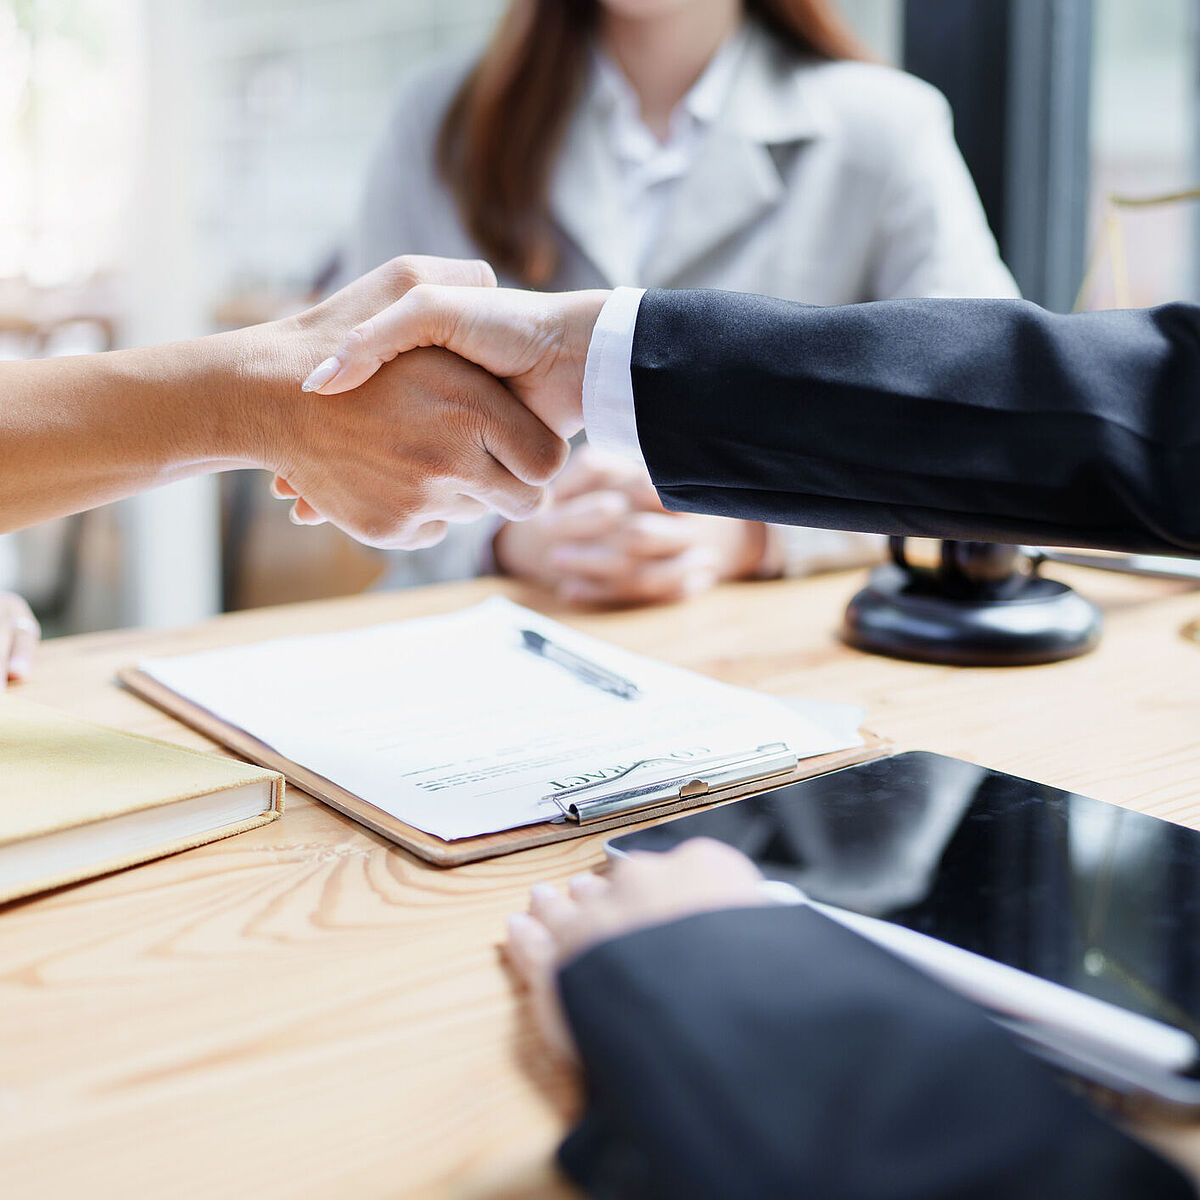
(604, 538)
(432, 439)
(536, 342)
(19, 635)
(639, 891)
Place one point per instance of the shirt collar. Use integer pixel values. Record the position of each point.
(775, 96)
(701, 107)
(753, 85)
(706, 97)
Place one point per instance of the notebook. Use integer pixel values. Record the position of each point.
(78, 800)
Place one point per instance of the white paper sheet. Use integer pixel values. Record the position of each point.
(450, 724)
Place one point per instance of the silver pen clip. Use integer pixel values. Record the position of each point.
(700, 779)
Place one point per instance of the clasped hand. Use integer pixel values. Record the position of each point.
(604, 538)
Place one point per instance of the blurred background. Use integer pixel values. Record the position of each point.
(173, 167)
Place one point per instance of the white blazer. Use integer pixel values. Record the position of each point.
(829, 183)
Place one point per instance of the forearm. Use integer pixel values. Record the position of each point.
(727, 1053)
(983, 420)
(81, 431)
(431, 439)
(793, 551)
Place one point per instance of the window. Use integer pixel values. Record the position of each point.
(1060, 104)
(1143, 143)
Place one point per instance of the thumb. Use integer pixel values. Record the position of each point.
(482, 325)
(453, 272)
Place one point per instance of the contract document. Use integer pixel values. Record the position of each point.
(452, 725)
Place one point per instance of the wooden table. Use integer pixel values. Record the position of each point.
(306, 1011)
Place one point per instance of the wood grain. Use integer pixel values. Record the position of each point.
(308, 1011)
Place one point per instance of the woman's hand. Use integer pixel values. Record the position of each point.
(19, 634)
(604, 539)
(430, 439)
(638, 891)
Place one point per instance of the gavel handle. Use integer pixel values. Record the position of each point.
(1153, 565)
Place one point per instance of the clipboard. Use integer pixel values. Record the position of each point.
(597, 812)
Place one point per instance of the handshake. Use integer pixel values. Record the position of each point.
(432, 396)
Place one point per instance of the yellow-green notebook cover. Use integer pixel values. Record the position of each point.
(78, 800)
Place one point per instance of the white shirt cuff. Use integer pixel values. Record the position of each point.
(608, 412)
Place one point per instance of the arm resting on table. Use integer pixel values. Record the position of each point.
(766, 1052)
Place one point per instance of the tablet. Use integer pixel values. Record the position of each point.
(1075, 922)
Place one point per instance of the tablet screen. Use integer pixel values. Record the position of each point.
(1089, 895)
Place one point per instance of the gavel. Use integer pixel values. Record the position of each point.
(981, 604)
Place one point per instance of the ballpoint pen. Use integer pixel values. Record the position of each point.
(587, 672)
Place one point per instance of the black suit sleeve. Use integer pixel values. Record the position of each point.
(766, 1053)
(987, 420)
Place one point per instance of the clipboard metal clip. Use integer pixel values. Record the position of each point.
(701, 779)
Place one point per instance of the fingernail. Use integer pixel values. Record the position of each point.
(19, 667)
(294, 517)
(322, 375)
(518, 922)
(543, 891)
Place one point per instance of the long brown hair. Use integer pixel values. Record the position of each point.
(504, 128)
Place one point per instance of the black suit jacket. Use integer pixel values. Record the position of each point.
(764, 1053)
(989, 420)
